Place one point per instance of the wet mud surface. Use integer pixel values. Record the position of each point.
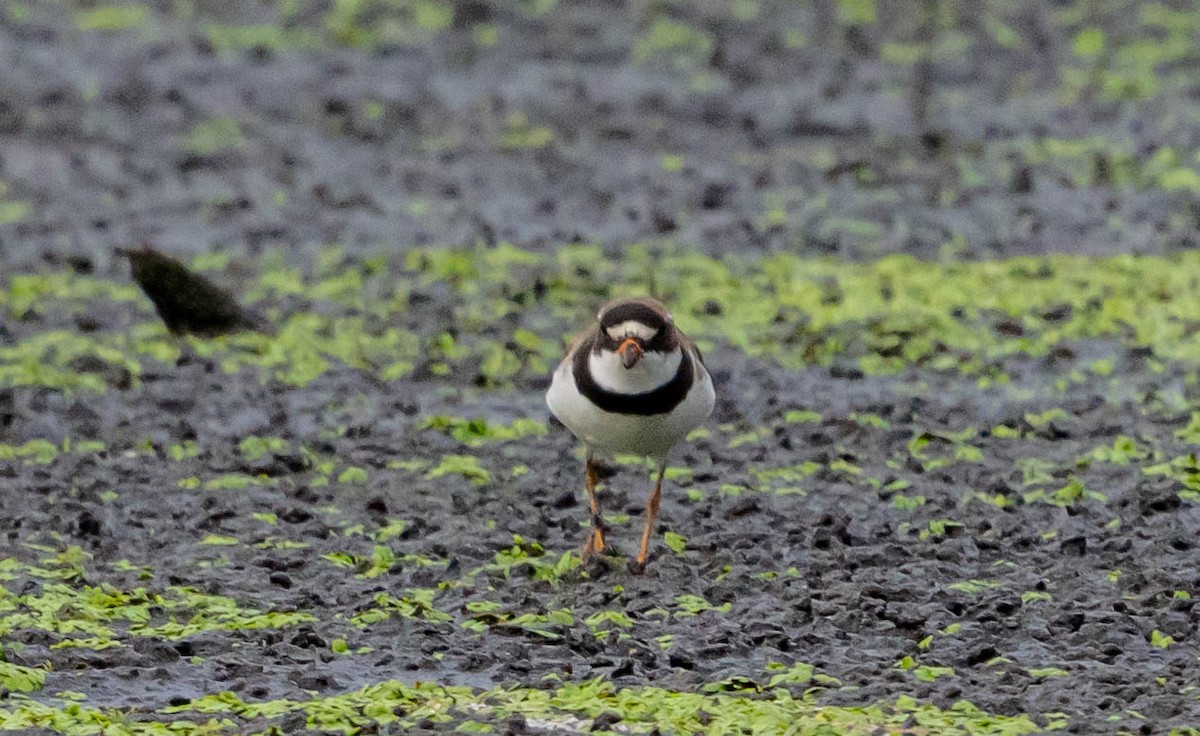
(1016, 527)
(876, 528)
(1014, 128)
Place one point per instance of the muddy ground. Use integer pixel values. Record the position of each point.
(1015, 529)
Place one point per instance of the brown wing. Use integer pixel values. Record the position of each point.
(584, 335)
(689, 344)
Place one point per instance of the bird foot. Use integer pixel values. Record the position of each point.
(595, 545)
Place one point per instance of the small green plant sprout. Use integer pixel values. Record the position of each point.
(929, 673)
(232, 482)
(353, 475)
(603, 623)
(185, 450)
(478, 431)
(466, 466)
(801, 416)
(693, 605)
(1071, 494)
(219, 540)
(869, 419)
(531, 557)
(1190, 434)
(18, 678)
(975, 586)
(1034, 596)
(907, 503)
(1122, 451)
(254, 447)
(924, 673)
(938, 528)
(417, 604)
(1043, 419)
(800, 673)
(675, 542)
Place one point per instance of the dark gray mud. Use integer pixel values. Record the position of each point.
(990, 131)
(789, 130)
(841, 576)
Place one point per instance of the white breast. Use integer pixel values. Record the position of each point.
(653, 436)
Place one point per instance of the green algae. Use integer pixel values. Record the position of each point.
(254, 447)
(301, 25)
(672, 41)
(530, 557)
(478, 431)
(107, 614)
(886, 316)
(64, 289)
(49, 359)
(233, 482)
(395, 705)
(416, 604)
(44, 452)
(381, 560)
(57, 602)
(19, 678)
(466, 466)
(112, 17)
(14, 211)
(214, 136)
(519, 133)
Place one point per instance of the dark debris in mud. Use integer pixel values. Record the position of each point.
(187, 303)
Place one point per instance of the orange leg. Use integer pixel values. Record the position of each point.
(639, 565)
(595, 541)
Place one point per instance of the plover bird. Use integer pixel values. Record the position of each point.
(630, 383)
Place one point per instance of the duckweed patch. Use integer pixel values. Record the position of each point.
(466, 466)
(44, 452)
(16, 678)
(478, 431)
(890, 315)
(395, 705)
(103, 616)
(53, 599)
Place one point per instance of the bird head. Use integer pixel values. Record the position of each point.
(633, 327)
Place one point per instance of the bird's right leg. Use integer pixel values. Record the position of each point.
(595, 541)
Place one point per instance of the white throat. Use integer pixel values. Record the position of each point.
(652, 371)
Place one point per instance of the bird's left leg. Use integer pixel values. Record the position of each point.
(638, 566)
(595, 541)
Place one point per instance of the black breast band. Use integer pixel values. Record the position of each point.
(649, 403)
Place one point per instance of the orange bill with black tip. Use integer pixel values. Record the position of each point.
(630, 351)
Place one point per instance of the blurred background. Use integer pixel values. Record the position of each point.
(855, 128)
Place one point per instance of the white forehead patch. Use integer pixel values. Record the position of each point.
(630, 328)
